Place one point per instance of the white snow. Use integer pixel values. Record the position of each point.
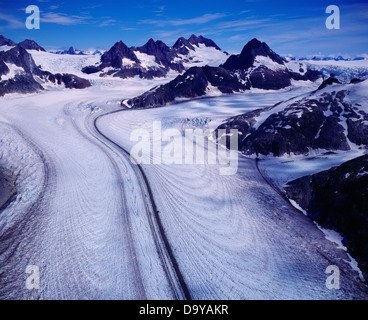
(13, 70)
(127, 62)
(64, 63)
(90, 228)
(268, 63)
(6, 48)
(203, 55)
(146, 60)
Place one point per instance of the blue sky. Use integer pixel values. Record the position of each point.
(289, 27)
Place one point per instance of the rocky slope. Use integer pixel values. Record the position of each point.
(195, 82)
(264, 69)
(155, 58)
(328, 119)
(31, 45)
(256, 67)
(338, 199)
(20, 74)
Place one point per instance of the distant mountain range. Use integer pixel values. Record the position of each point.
(315, 58)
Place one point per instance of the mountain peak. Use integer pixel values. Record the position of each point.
(31, 45)
(249, 53)
(113, 57)
(6, 42)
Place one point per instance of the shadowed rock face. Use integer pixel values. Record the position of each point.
(162, 53)
(114, 57)
(194, 40)
(182, 46)
(247, 56)
(6, 42)
(24, 81)
(328, 82)
(225, 80)
(193, 83)
(338, 199)
(264, 76)
(166, 58)
(30, 45)
(317, 122)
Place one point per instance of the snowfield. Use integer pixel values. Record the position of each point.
(100, 227)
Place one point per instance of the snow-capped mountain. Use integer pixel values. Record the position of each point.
(262, 68)
(156, 59)
(256, 67)
(20, 74)
(199, 51)
(327, 119)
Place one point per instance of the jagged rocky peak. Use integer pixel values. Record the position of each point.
(71, 51)
(154, 48)
(248, 56)
(31, 45)
(113, 57)
(162, 53)
(182, 45)
(6, 42)
(21, 58)
(202, 40)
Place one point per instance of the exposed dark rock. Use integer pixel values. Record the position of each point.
(3, 68)
(182, 46)
(338, 199)
(21, 58)
(356, 80)
(20, 84)
(24, 81)
(358, 131)
(202, 40)
(30, 45)
(329, 81)
(162, 53)
(193, 83)
(6, 42)
(114, 57)
(70, 81)
(301, 125)
(247, 56)
(264, 78)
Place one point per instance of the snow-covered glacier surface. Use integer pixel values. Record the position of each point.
(100, 227)
(344, 71)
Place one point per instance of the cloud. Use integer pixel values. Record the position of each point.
(180, 22)
(127, 29)
(237, 24)
(63, 19)
(11, 22)
(108, 22)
